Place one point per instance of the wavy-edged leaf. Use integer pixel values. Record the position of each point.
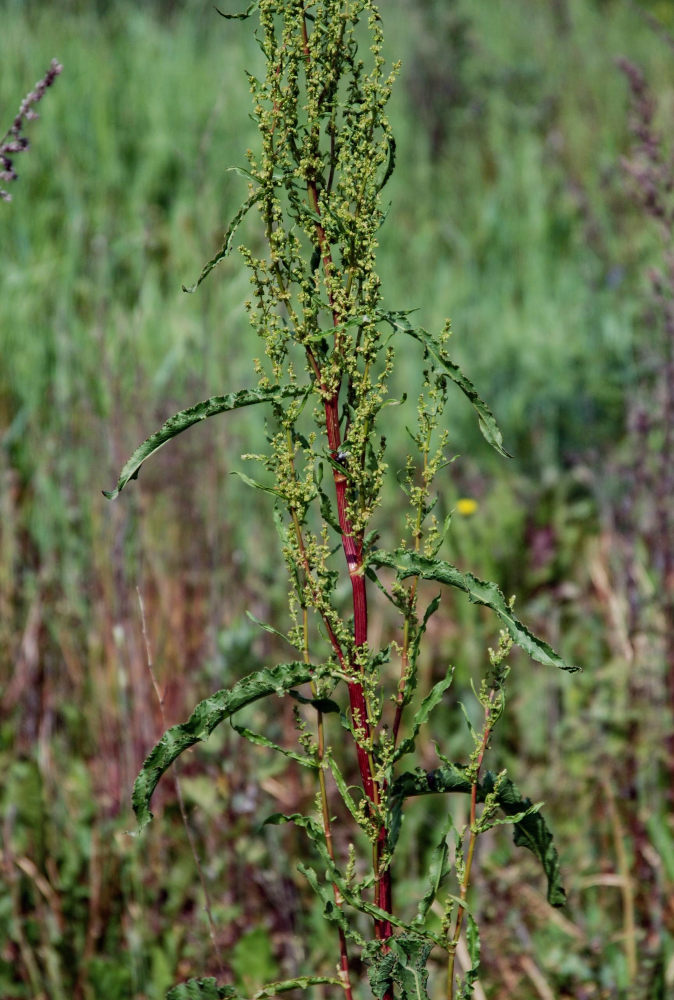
(299, 983)
(405, 963)
(224, 250)
(207, 715)
(208, 989)
(531, 832)
(530, 829)
(186, 418)
(486, 419)
(407, 563)
(202, 989)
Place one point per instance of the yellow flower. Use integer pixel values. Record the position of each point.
(466, 506)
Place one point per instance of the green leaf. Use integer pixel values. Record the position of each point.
(473, 941)
(438, 870)
(408, 563)
(234, 224)
(207, 715)
(254, 484)
(449, 778)
(324, 705)
(486, 419)
(531, 832)
(405, 964)
(269, 628)
(261, 741)
(331, 911)
(411, 680)
(333, 875)
(243, 15)
(428, 704)
(208, 989)
(299, 983)
(530, 829)
(201, 989)
(185, 418)
(343, 789)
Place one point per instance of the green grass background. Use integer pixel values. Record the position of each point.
(517, 225)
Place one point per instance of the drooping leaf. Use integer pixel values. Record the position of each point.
(241, 16)
(486, 419)
(530, 829)
(185, 418)
(202, 989)
(531, 832)
(207, 715)
(251, 200)
(448, 778)
(408, 563)
(324, 705)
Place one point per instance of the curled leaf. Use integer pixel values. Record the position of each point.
(186, 418)
(204, 719)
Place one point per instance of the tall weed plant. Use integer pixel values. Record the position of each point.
(328, 354)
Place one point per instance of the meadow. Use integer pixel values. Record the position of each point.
(512, 213)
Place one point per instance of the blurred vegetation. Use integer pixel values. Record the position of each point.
(510, 212)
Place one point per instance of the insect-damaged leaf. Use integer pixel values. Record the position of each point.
(204, 719)
(185, 418)
(407, 563)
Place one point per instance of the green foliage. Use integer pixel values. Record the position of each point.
(409, 564)
(519, 230)
(326, 153)
(207, 715)
(186, 418)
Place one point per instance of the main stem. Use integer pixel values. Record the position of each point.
(353, 552)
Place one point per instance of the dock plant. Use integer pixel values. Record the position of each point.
(329, 348)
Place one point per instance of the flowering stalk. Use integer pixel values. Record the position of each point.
(326, 152)
(14, 141)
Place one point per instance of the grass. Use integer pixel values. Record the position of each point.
(519, 230)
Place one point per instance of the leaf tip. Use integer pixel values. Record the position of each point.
(110, 494)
